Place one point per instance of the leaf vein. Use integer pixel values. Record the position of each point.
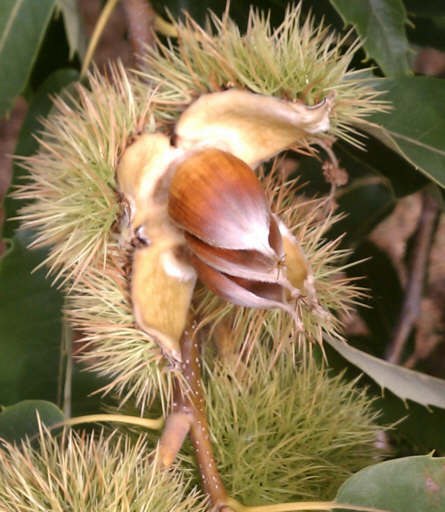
(416, 142)
(11, 20)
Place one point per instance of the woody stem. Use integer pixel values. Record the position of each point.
(140, 18)
(199, 430)
(418, 269)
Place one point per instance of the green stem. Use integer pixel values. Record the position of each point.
(165, 28)
(64, 383)
(151, 423)
(98, 30)
(300, 506)
(68, 349)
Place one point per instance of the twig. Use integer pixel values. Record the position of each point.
(333, 173)
(199, 431)
(428, 336)
(188, 416)
(141, 24)
(177, 427)
(418, 265)
(141, 21)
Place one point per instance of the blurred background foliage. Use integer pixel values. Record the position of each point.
(394, 188)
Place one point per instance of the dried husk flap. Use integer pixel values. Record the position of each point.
(162, 285)
(143, 183)
(251, 126)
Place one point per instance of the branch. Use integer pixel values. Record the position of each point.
(418, 266)
(199, 431)
(188, 416)
(333, 173)
(140, 18)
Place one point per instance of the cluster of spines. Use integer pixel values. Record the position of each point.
(297, 61)
(94, 472)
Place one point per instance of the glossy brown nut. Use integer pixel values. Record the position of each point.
(243, 292)
(247, 264)
(239, 291)
(275, 238)
(217, 198)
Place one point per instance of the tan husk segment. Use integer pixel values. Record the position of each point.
(297, 267)
(140, 175)
(162, 284)
(111, 344)
(251, 126)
